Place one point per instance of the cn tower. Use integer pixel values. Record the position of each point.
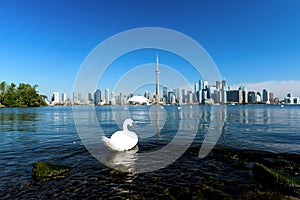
(157, 81)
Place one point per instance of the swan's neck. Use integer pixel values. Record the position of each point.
(125, 126)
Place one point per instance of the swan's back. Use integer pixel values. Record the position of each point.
(121, 141)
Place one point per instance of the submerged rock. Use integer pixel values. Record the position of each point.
(45, 171)
(273, 177)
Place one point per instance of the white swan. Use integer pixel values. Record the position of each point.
(122, 140)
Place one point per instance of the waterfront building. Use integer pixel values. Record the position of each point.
(205, 84)
(55, 98)
(218, 85)
(224, 85)
(64, 97)
(183, 96)
(138, 100)
(189, 97)
(199, 96)
(258, 97)
(203, 96)
(251, 97)
(74, 98)
(200, 85)
(97, 97)
(113, 99)
(79, 98)
(107, 96)
(173, 99)
(120, 99)
(271, 97)
(196, 87)
(165, 94)
(243, 95)
(290, 99)
(223, 96)
(90, 97)
(170, 94)
(233, 96)
(265, 97)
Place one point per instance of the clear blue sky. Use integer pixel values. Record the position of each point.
(45, 42)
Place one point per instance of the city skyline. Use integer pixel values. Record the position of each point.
(253, 43)
(202, 93)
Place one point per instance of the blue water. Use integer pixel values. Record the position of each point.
(28, 135)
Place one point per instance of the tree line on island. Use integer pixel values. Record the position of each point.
(24, 95)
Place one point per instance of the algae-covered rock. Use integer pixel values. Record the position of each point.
(275, 178)
(45, 171)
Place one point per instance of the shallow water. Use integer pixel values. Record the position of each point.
(244, 135)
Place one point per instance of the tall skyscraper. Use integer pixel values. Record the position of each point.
(200, 85)
(170, 94)
(90, 97)
(218, 85)
(224, 85)
(196, 87)
(55, 97)
(63, 97)
(183, 96)
(157, 80)
(113, 99)
(97, 97)
(205, 84)
(165, 93)
(265, 96)
(107, 99)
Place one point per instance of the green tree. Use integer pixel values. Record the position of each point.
(24, 95)
(2, 91)
(10, 96)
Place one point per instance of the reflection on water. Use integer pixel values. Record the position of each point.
(123, 161)
(17, 120)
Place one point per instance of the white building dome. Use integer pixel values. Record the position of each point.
(138, 100)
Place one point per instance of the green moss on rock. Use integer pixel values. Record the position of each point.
(45, 171)
(273, 177)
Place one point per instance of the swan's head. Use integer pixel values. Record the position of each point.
(129, 122)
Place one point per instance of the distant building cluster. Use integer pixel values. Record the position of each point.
(203, 93)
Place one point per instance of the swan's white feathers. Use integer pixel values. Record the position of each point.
(121, 140)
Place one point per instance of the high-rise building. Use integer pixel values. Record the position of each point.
(74, 97)
(64, 97)
(200, 85)
(271, 97)
(90, 97)
(205, 84)
(107, 96)
(165, 93)
(218, 85)
(97, 97)
(80, 97)
(55, 97)
(170, 94)
(113, 99)
(258, 97)
(189, 97)
(265, 96)
(251, 97)
(243, 95)
(233, 96)
(224, 86)
(183, 96)
(196, 87)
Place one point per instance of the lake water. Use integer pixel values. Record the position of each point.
(244, 134)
